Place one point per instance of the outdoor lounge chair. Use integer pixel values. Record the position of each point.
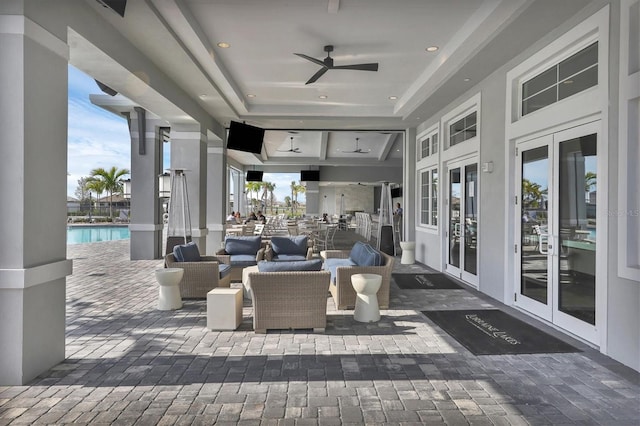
(289, 299)
(361, 259)
(201, 273)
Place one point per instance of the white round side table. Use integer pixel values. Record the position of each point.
(366, 287)
(169, 291)
(408, 252)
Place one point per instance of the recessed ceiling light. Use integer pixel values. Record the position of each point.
(203, 96)
(224, 45)
(250, 95)
(323, 96)
(432, 48)
(467, 79)
(393, 98)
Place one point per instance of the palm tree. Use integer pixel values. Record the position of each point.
(95, 185)
(254, 187)
(590, 179)
(271, 187)
(532, 194)
(265, 193)
(111, 181)
(300, 189)
(293, 196)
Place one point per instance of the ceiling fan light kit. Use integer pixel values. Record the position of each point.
(327, 64)
(292, 149)
(358, 150)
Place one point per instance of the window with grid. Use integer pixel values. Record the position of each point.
(463, 129)
(429, 197)
(573, 75)
(424, 148)
(429, 146)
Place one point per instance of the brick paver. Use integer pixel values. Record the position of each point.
(129, 363)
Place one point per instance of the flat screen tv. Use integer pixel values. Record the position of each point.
(396, 192)
(310, 175)
(254, 176)
(244, 137)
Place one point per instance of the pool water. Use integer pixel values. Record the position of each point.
(92, 234)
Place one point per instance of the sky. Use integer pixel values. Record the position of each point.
(99, 138)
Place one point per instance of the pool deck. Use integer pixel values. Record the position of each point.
(129, 363)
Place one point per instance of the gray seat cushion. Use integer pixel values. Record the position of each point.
(332, 265)
(242, 259)
(305, 265)
(224, 270)
(288, 258)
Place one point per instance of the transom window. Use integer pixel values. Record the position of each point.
(573, 75)
(429, 197)
(463, 129)
(429, 146)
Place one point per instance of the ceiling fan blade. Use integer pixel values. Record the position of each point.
(309, 58)
(359, 67)
(317, 75)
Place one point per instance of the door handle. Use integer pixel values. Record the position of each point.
(542, 239)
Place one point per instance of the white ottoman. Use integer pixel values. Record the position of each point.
(169, 290)
(224, 308)
(408, 252)
(366, 287)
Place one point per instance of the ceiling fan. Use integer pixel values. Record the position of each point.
(292, 149)
(327, 64)
(358, 150)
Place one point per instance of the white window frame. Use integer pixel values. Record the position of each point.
(470, 145)
(427, 137)
(429, 171)
(550, 64)
(628, 209)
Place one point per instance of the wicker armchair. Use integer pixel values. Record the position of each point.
(199, 277)
(285, 300)
(342, 290)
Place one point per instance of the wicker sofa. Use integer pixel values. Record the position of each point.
(286, 298)
(343, 264)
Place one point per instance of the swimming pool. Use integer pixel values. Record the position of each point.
(92, 234)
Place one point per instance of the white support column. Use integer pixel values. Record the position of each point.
(217, 195)
(312, 196)
(146, 206)
(409, 206)
(33, 146)
(189, 153)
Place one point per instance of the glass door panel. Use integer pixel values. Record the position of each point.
(470, 219)
(534, 262)
(455, 193)
(577, 228)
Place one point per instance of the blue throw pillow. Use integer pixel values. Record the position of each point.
(186, 252)
(364, 255)
(242, 245)
(304, 265)
(289, 245)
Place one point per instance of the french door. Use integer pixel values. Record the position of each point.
(556, 225)
(462, 229)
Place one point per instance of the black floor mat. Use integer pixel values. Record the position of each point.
(424, 282)
(493, 332)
